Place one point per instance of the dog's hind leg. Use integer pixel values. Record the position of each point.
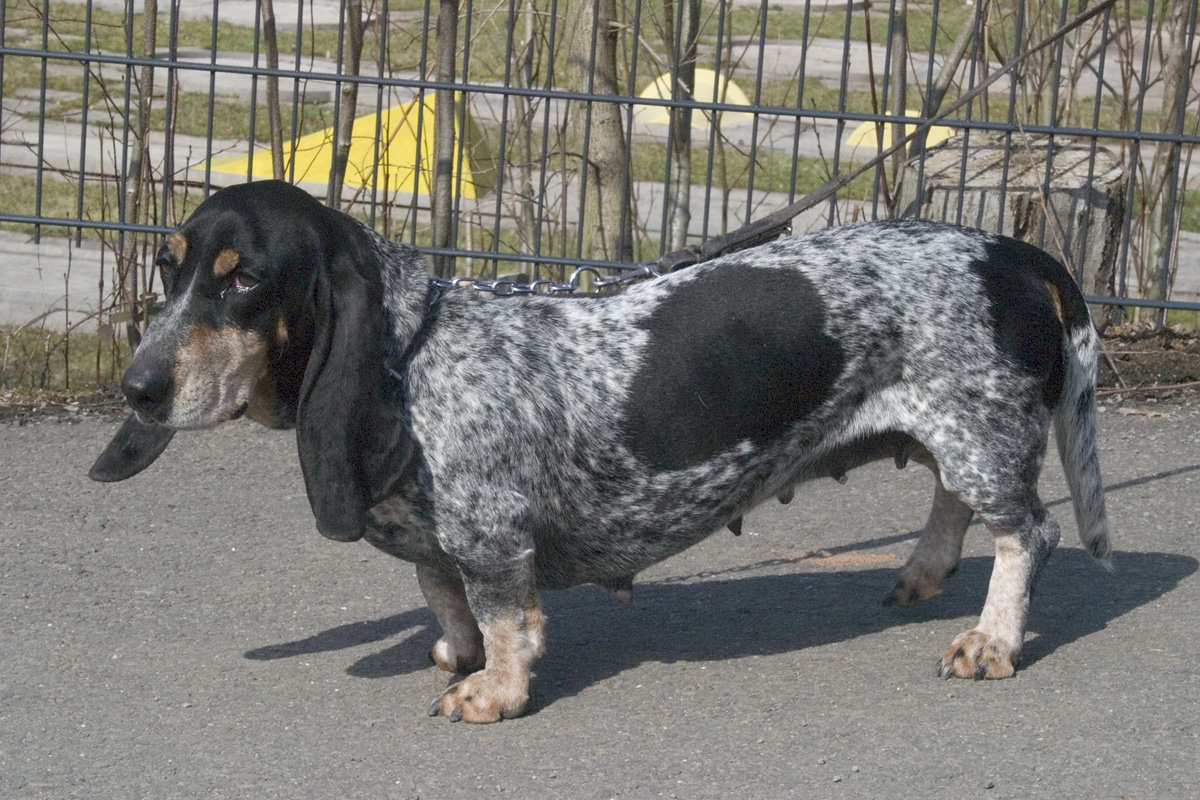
(992, 465)
(505, 602)
(1001, 486)
(992, 649)
(939, 549)
(460, 650)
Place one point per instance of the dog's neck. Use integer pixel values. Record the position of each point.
(405, 281)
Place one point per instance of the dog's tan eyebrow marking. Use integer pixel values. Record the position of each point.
(177, 246)
(226, 262)
(281, 330)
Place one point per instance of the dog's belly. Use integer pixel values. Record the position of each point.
(630, 528)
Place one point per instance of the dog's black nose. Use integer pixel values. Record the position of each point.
(148, 388)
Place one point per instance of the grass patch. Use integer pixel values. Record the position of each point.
(1190, 213)
(772, 169)
(37, 358)
(1190, 320)
(59, 198)
(231, 119)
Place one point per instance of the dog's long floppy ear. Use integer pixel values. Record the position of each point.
(353, 439)
(134, 447)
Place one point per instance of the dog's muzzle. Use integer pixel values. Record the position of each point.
(149, 386)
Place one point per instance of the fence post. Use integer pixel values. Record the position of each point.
(443, 136)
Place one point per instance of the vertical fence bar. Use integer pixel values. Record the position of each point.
(715, 118)
(841, 123)
(458, 132)
(83, 117)
(501, 149)
(254, 94)
(801, 75)
(758, 72)
(166, 214)
(443, 139)
(296, 91)
(1048, 173)
(212, 95)
(39, 170)
(1093, 147)
(1134, 160)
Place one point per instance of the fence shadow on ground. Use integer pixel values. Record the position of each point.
(591, 638)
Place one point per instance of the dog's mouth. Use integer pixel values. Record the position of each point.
(151, 420)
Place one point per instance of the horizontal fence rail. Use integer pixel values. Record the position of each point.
(525, 138)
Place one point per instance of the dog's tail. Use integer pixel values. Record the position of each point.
(1075, 422)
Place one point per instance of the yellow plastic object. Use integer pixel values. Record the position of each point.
(405, 160)
(864, 135)
(707, 82)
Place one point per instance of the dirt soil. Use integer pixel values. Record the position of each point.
(1139, 363)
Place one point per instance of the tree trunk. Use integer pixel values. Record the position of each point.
(136, 177)
(682, 48)
(1164, 171)
(348, 103)
(273, 120)
(898, 91)
(606, 230)
(443, 137)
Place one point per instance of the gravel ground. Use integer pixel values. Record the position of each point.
(188, 634)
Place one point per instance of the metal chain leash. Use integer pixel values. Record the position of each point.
(509, 288)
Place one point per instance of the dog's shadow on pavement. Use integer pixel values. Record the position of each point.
(591, 637)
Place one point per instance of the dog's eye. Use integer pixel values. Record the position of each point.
(166, 270)
(243, 282)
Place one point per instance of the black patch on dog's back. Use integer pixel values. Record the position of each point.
(1026, 326)
(739, 354)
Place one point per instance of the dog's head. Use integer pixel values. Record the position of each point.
(273, 311)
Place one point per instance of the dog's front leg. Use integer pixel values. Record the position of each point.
(460, 650)
(504, 600)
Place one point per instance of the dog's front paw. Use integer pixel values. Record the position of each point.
(976, 654)
(482, 697)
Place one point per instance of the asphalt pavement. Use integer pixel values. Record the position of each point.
(189, 634)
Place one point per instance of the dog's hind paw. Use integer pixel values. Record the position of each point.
(978, 655)
(480, 698)
(908, 592)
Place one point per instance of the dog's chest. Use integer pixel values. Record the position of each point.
(401, 528)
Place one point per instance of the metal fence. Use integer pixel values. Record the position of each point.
(531, 136)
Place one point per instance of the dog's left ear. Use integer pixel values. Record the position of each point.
(353, 439)
(134, 447)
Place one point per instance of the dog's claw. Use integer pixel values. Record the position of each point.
(474, 699)
(736, 526)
